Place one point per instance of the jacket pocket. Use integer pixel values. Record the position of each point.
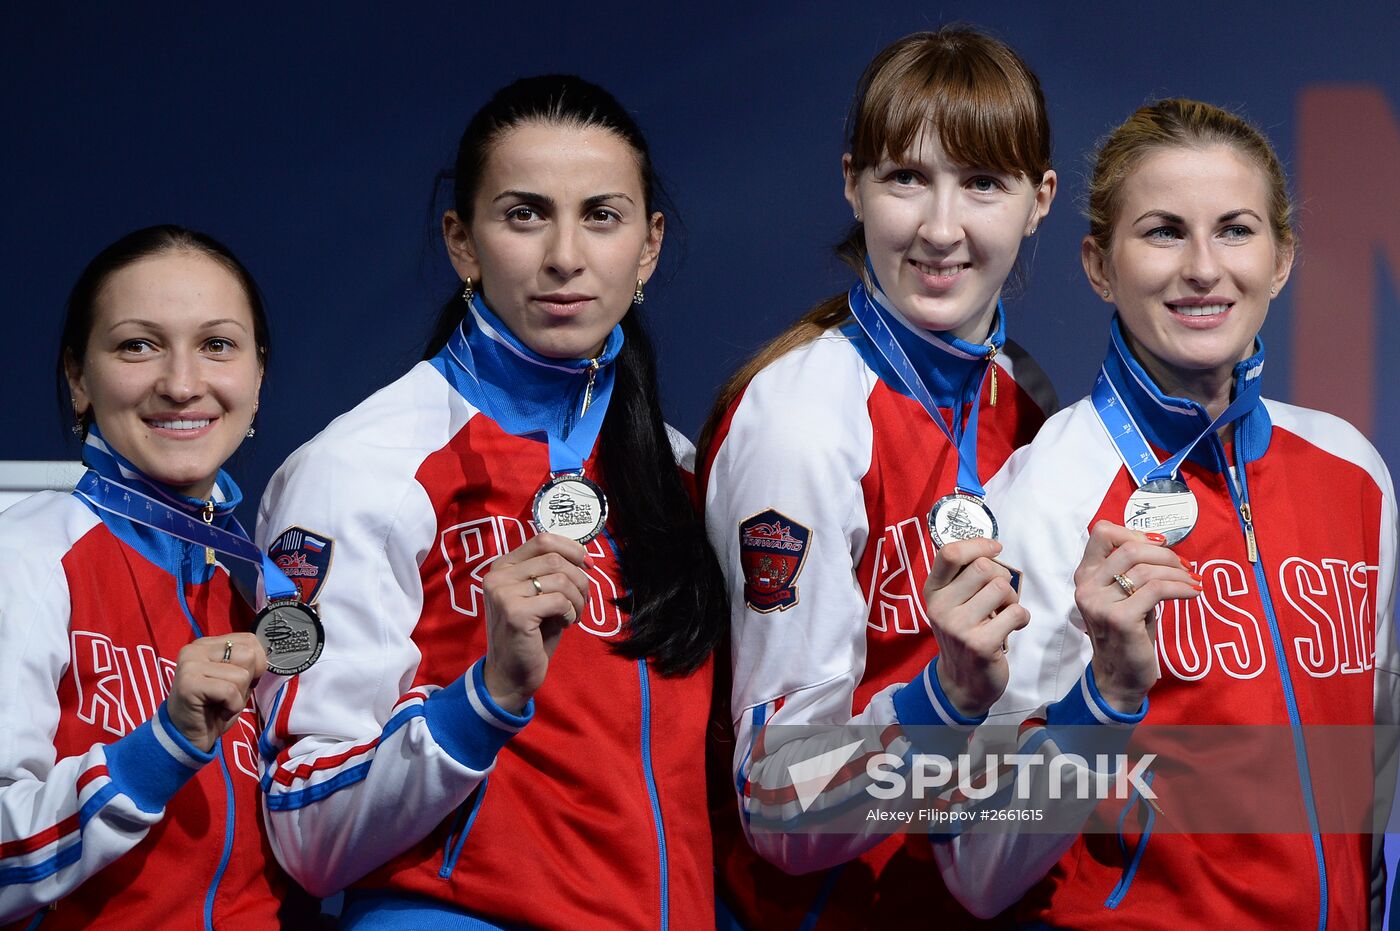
(461, 827)
(1132, 860)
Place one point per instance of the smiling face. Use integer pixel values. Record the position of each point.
(942, 237)
(1192, 265)
(559, 235)
(171, 371)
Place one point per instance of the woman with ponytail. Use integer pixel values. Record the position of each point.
(852, 449)
(507, 725)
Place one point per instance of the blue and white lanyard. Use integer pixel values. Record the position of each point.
(867, 314)
(566, 452)
(140, 503)
(1132, 446)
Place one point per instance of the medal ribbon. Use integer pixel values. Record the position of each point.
(139, 503)
(867, 314)
(566, 452)
(1127, 437)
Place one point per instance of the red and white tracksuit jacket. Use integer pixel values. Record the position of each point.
(109, 817)
(819, 483)
(388, 767)
(1297, 633)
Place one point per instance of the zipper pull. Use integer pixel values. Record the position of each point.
(588, 388)
(208, 514)
(991, 355)
(1249, 543)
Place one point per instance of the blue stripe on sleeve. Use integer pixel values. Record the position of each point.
(290, 801)
(144, 771)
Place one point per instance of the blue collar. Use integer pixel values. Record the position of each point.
(1170, 423)
(163, 550)
(523, 390)
(952, 367)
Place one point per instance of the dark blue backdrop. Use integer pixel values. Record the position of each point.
(309, 142)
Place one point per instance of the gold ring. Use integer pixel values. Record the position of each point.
(539, 589)
(1126, 584)
(228, 650)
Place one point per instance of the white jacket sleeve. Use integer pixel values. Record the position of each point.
(360, 765)
(785, 512)
(1051, 708)
(63, 820)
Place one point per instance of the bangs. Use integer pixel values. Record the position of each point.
(986, 108)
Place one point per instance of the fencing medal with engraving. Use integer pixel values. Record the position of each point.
(292, 635)
(571, 506)
(1164, 506)
(960, 516)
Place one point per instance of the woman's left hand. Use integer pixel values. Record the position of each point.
(972, 607)
(1121, 580)
(213, 676)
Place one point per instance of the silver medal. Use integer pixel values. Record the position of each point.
(571, 506)
(1165, 506)
(960, 516)
(292, 635)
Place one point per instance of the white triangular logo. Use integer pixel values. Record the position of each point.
(811, 777)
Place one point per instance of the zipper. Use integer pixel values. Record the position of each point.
(208, 514)
(1131, 863)
(652, 792)
(466, 812)
(593, 366)
(1239, 494)
(229, 814)
(1250, 546)
(991, 364)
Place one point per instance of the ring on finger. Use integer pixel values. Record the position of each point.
(1126, 584)
(539, 589)
(228, 651)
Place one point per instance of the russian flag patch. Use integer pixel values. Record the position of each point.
(306, 559)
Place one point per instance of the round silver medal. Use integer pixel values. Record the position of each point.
(571, 506)
(1165, 506)
(292, 635)
(960, 516)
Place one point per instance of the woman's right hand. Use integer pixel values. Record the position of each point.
(532, 593)
(209, 691)
(973, 608)
(1120, 618)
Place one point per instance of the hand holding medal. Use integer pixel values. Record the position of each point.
(532, 593)
(213, 676)
(973, 605)
(1119, 583)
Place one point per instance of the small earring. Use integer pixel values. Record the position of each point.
(1032, 232)
(467, 292)
(251, 430)
(77, 428)
(1273, 292)
(1106, 293)
(637, 295)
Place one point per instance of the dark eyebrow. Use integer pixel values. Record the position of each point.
(152, 325)
(223, 320)
(1160, 214)
(598, 199)
(533, 198)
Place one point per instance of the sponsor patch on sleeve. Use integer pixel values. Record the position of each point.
(772, 549)
(305, 557)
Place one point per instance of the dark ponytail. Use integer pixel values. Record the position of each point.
(676, 598)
